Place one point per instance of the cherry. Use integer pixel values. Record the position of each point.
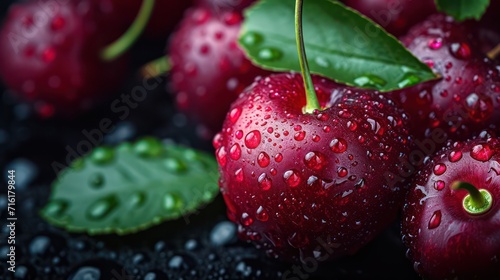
(395, 16)
(209, 69)
(451, 217)
(51, 54)
(310, 184)
(466, 98)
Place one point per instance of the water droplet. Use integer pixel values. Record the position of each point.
(435, 220)
(262, 214)
(223, 233)
(299, 136)
(221, 156)
(56, 208)
(316, 138)
(482, 152)
(234, 115)
(148, 147)
(265, 183)
(342, 172)
(278, 157)
(352, 125)
(102, 155)
(263, 159)
(137, 199)
(238, 134)
(338, 145)
(269, 54)
(479, 108)
(251, 39)
(102, 208)
(174, 165)
(455, 156)
(435, 43)
(439, 169)
(252, 140)
(96, 180)
(235, 152)
(409, 79)
(321, 61)
(315, 160)
(238, 175)
(172, 202)
(292, 178)
(246, 220)
(439, 185)
(460, 50)
(371, 81)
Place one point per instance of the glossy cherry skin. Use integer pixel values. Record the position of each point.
(465, 98)
(209, 68)
(310, 185)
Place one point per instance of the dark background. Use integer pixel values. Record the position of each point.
(194, 249)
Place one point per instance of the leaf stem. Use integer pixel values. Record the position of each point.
(122, 44)
(312, 103)
(477, 201)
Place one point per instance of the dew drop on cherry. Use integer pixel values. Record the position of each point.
(435, 220)
(263, 159)
(435, 43)
(342, 172)
(235, 152)
(238, 134)
(246, 220)
(315, 160)
(265, 183)
(439, 169)
(278, 157)
(261, 214)
(338, 145)
(221, 156)
(234, 115)
(299, 136)
(292, 178)
(460, 50)
(439, 185)
(455, 156)
(252, 140)
(481, 152)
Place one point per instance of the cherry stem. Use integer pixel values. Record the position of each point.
(477, 201)
(122, 44)
(312, 103)
(494, 52)
(155, 68)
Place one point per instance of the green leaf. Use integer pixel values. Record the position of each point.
(131, 187)
(340, 44)
(463, 9)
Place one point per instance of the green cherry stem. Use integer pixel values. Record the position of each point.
(477, 201)
(122, 44)
(312, 103)
(155, 68)
(492, 54)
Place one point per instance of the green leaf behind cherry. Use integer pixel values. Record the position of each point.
(340, 43)
(463, 9)
(131, 187)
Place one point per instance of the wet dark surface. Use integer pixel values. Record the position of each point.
(204, 246)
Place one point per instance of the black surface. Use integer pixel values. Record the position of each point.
(184, 249)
